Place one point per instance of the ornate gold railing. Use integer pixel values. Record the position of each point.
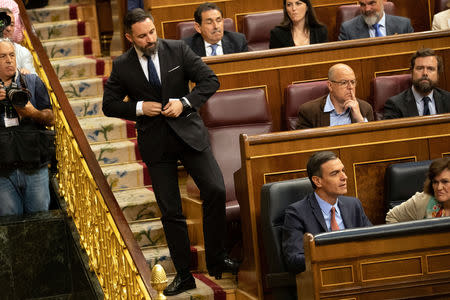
(113, 253)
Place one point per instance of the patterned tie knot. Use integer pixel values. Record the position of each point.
(214, 48)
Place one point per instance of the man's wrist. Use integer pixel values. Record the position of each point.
(185, 103)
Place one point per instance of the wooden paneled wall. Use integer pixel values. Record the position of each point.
(276, 69)
(365, 150)
(169, 13)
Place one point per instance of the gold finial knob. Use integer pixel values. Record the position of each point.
(159, 281)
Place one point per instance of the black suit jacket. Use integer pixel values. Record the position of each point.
(404, 104)
(178, 65)
(306, 216)
(282, 37)
(356, 28)
(232, 42)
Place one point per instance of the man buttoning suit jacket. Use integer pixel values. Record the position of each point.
(154, 74)
(424, 97)
(323, 210)
(211, 39)
(372, 14)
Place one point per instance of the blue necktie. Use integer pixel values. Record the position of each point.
(214, 48)
(426, 108)
(152, 74)
(377, 30)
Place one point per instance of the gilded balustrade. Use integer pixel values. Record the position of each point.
(108, 255)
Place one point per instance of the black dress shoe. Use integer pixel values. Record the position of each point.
(179, 285)
(228, 265)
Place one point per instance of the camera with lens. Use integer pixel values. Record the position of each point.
(5, 21)
(17, 96)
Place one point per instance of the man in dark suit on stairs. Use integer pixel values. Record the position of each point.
(211, 39)
(154, 74)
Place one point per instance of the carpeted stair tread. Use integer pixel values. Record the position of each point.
(52, 13)
(149, 233)
(116, 152)
(61, 29)
(101, 129)
(159, 255)
(78, 46)
(87, 107)
(88, 87)
(129, 175)
(138, 203)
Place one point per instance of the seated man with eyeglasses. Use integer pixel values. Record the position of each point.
(340, 106)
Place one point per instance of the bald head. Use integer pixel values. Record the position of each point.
(339, 69)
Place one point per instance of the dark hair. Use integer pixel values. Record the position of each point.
(436, 168)
(310, 17)
(315, 162)
(134, 16)
(205, 7)
(424, 52)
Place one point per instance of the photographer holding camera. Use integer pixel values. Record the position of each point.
(25, 143)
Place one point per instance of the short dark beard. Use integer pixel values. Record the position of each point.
(149, 51)
(424, 87)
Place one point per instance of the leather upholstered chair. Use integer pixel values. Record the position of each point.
(186, 29)
(440, 5)
(384, 87)
(298, 93)
(275, 198)
(403, 180)
(256, 28)
(226, 115)
(348, 12)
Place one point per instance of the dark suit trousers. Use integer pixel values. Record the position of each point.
(203, 168)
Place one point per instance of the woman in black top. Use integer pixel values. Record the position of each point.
(299, 27)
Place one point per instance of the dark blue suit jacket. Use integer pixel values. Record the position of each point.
(232, 42)
(404, 104)
(356, 28)
(306, 216)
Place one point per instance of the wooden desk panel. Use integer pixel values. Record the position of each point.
(365, 150)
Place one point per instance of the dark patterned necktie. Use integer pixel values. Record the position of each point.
(152, 74)
(426, 108)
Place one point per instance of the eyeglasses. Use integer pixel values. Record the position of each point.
(345, 82)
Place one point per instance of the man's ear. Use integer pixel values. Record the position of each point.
(128, 36)
(197, 27)
(329, 86)
(317, 181)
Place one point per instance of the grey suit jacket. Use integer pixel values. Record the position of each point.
(404, 105)
(232, 42)
(178, 66)
(306, 216)
(356, 28)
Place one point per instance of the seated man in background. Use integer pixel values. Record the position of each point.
(441, 20)
(324, 210)
(24, 143)
(340, 106)
(423, 98)
(211, 39)
(24, 59)
(433, 202)
(373, 22)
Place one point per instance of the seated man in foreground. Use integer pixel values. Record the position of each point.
(340, 106)
(424, 97)
(211, 39)
(373, 22)
(324, 210)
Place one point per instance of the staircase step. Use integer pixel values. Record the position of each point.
(159, 255)
(116, 152)
(62, 29)
(102, 129)
(79, 46)
(52, 13)
(138, 203)
(88, 87)
(130, 175)
(88, 107)
(149, 233)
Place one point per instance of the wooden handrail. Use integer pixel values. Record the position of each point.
(86, 152)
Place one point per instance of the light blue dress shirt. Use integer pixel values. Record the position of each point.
(326, 212)
(382, 28)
